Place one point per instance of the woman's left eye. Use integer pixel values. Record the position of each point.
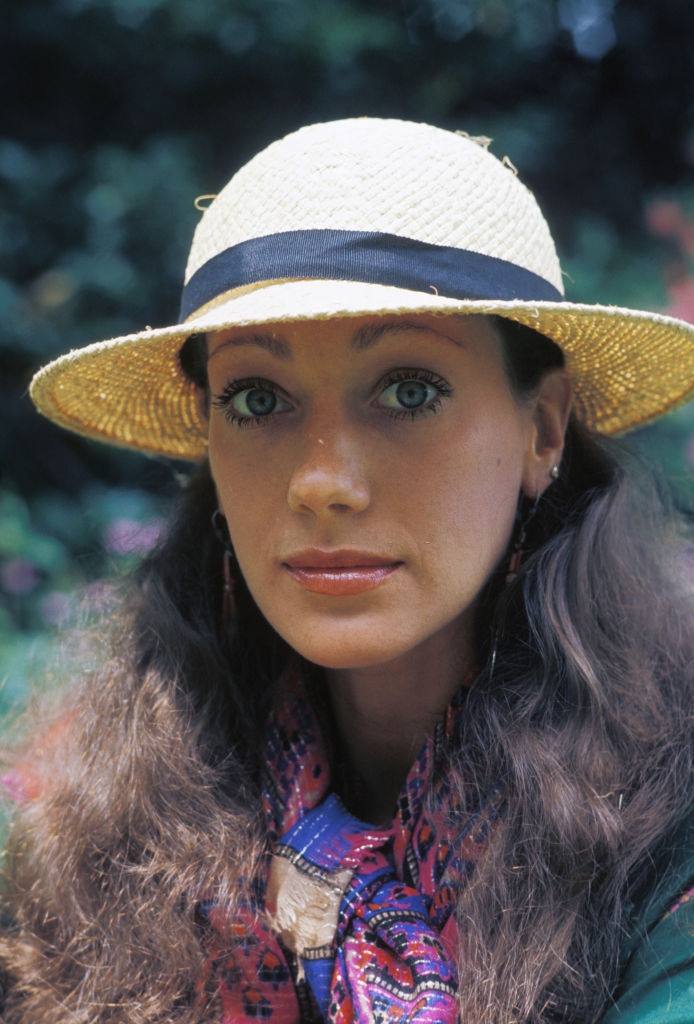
(414, 392)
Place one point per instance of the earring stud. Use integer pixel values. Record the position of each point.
(554, 472)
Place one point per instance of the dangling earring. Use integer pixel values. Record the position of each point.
(219, 525)
(515, 562)
(518, 552)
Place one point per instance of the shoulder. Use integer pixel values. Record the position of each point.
(657, 982)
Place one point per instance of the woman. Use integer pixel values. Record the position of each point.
(396, 723)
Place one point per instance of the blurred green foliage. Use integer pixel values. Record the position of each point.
(119, 112)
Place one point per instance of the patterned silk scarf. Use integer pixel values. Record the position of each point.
(353, 922)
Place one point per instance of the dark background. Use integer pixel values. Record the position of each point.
(117, 113)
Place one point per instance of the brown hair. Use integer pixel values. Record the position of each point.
(146, 798)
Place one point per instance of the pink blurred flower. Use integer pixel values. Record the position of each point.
(681, 295)
(665, 217)
(18, 576)
(130, 537)
(687, 238)
(14, 785)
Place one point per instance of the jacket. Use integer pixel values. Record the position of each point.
(657, 980)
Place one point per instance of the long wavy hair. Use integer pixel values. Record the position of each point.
(144, 776)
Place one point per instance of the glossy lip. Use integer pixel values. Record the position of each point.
(340, 572)
(339, 558)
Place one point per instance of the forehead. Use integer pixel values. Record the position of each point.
(357, 334)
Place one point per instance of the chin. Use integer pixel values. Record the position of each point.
(349, 647)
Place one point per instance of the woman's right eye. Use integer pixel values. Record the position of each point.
(248, 403)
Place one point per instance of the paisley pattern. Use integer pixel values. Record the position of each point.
(352, 922)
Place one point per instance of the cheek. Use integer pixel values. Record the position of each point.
(250, 496)
(465, 502)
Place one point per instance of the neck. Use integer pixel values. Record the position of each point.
(383, 713)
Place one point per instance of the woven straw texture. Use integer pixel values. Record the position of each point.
(368, 174)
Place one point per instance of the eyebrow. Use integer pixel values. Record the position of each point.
(369, 335)
(364, 338)
(275, 346)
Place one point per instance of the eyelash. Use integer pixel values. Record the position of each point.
(236, 387)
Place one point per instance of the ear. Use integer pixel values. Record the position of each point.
(549, 415)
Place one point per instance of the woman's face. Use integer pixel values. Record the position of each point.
(400, 438)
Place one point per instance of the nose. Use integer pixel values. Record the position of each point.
(329, 478)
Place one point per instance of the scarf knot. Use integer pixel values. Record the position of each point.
(353, 922)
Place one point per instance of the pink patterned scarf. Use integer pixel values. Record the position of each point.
(355, 922)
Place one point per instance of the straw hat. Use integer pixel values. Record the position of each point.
(367, 216)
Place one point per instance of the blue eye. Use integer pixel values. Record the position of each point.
(259, 401)
(247, 402)
(414, 392)
(407, 392)
(411, 394)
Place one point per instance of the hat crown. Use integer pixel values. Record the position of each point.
(381, 175)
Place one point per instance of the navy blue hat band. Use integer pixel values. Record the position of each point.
(370, 256)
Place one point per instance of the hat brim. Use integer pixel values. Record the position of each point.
(627, 366)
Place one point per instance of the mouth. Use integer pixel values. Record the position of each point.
(340, 573)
